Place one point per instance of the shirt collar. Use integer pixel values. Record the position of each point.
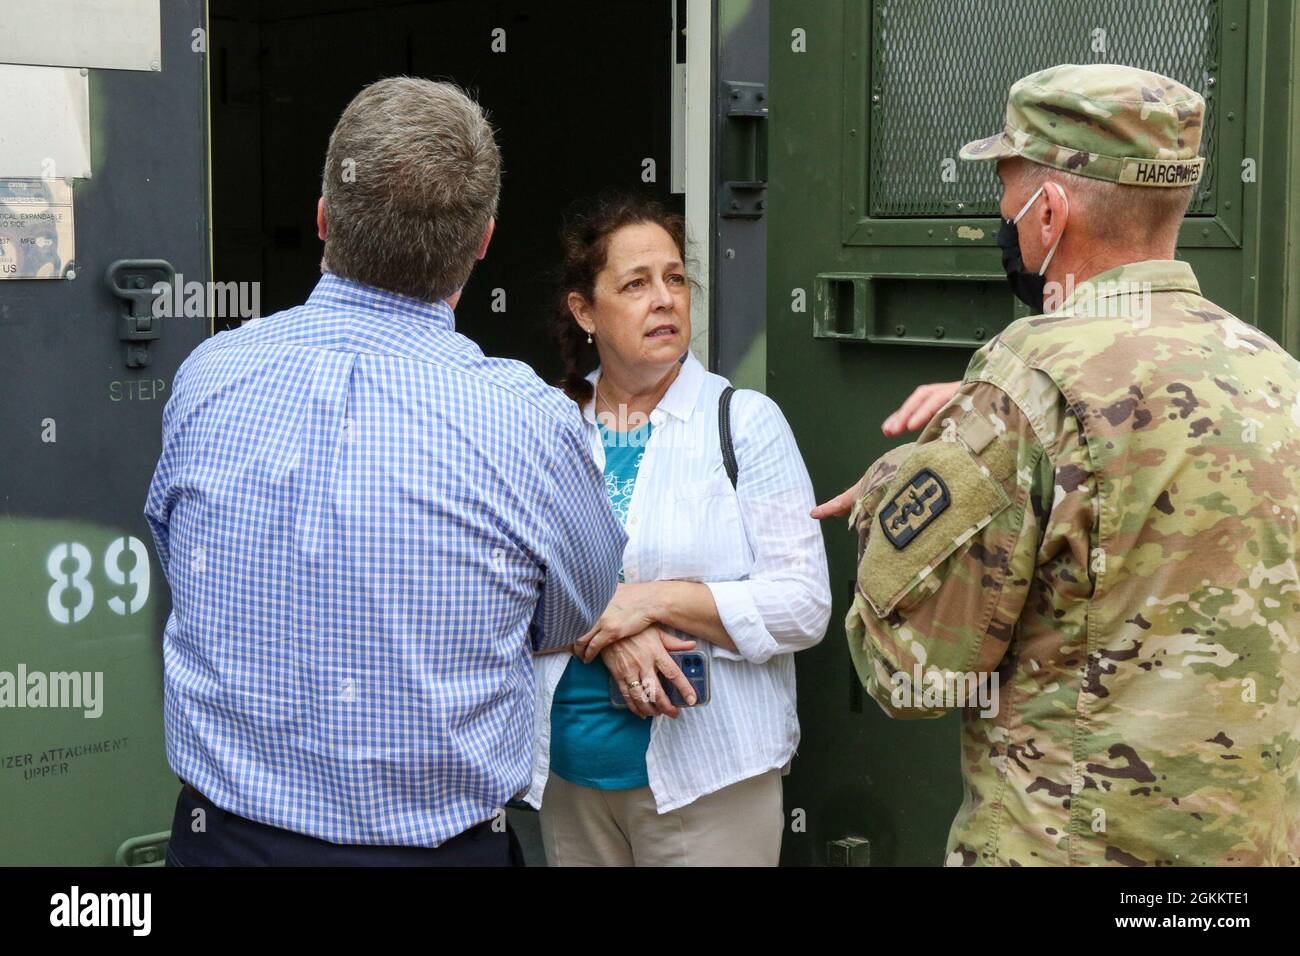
(335, 291)
(1150, 275)
(679, 401)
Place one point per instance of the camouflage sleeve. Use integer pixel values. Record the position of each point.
(949, 529)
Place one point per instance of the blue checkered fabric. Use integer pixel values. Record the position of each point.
(368, 527)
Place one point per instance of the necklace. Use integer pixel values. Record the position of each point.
(601, 398)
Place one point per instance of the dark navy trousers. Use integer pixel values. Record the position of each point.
(230, 840)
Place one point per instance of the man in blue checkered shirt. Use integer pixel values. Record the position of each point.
(368, 528)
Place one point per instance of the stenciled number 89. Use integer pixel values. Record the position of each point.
(78, 581)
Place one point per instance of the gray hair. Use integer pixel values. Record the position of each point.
(412, 177)
(1132, 215)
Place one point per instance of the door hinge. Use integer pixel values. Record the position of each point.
(744, 150)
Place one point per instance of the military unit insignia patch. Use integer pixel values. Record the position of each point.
(915, 505)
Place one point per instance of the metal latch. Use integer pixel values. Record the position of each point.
(135, 282)
(147, 850)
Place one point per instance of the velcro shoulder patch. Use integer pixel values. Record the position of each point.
(976, 432)
(941, 498)
(907, 513)
(983, 441)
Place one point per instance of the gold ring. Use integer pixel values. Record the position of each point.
(635, 683)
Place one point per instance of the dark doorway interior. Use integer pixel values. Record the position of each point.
(580, 98)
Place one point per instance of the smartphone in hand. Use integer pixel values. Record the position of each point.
(694, 664)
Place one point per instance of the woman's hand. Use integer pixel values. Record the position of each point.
(636, 663)
(633, 608)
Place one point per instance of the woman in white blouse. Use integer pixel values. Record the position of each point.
(737, 573)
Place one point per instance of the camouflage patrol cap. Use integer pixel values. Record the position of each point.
(1104, 121)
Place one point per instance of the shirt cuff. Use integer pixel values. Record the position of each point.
(739, 615)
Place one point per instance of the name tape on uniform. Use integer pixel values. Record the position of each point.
(1161, 172)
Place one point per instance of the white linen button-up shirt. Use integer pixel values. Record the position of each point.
(759, 553)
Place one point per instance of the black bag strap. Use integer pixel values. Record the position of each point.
(724, 434)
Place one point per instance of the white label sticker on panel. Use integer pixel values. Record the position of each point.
(44, 122)
(101, 34)
(37, 237)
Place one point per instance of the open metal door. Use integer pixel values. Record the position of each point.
(734, 64)
(106, 163)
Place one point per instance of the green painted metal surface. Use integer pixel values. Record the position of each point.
(917, 276)
(82, 767)
(83, 770)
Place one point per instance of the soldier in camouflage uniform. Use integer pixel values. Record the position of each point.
(1105, 517)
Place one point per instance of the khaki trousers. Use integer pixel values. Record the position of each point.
(739, 825)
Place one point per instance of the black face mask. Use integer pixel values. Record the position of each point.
(1027, 286)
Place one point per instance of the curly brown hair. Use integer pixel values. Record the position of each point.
(584, 241)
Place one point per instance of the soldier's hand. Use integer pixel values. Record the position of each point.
(841, 504)
(920, 407)
(913, 414)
